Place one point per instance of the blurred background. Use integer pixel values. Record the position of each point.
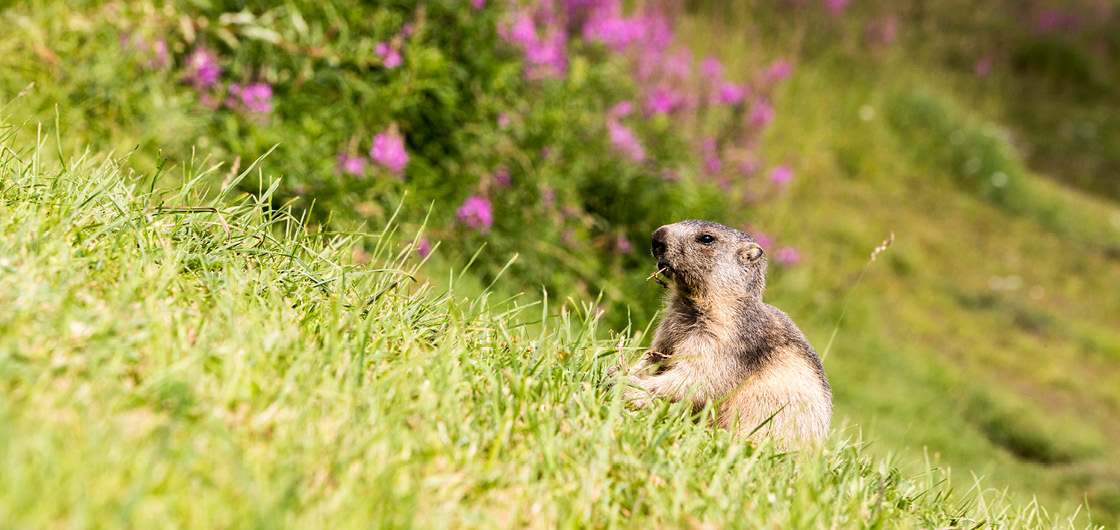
(984, 136)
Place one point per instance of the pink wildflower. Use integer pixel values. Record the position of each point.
(352, 165)
(501, 176)
(761, 115)
(712, 68)
(624, 140)
(476, 213)
(606, 24)
(787, 256)
(388, 150)
(663, 100)
(390, 56)
(623, 108)
(478, 4)
(730, 93)
(679, 65)
(713, 164)
(160, 60)
(523, 31)
(763, 239)
(781, 175)
(779, 71)
(503, 120)
(835, 7)
(256, 97)
(883, 30)
(549, 54)
(202, 69)
(423, 247)
(623, 245)
(984, 66)
(670, 175)
(748, 167)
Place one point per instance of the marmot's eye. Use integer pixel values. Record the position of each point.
(707, 239)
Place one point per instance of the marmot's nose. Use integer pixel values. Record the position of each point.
(658, 241)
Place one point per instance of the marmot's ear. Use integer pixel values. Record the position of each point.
(749, 253)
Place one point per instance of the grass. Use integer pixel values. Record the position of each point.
(190, 358)
(157, 370)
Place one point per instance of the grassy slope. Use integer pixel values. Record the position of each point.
(928, 356)
(986, 334)
(159, 371)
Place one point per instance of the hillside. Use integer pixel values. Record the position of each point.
(982, 343)
(986, 334)
(176, 360)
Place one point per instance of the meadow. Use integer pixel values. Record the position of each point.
(313, 264)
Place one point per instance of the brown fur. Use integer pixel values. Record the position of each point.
(718, 341)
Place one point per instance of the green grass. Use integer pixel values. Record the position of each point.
(986, 333)
(190, 358)
(156, 370)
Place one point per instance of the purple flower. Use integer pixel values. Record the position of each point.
(624, 140)
(663, 100)
(478, 4)
(883, 30)
(763, 239)
(202, 69)
(476, 213)
(984, 66)
(407, 30)
(353, 165)
(548, 196)
(1051, 20)
(388, 150)
(730, 93)
(606, 24)
(787, 256)
(549, 55)
(781, 175)
(748, 167)
(779, 71)
(679, 65)
(160, 60)
(523, 31)
(501, 176)
(713, 164)
(390, 56)
(256, 97)
(503, 120)
(712, 68)
(835, 7)
(761, 115)
(423, 247)
(623, 245)
(623, 108)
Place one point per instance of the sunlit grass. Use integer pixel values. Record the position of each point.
(201, 360)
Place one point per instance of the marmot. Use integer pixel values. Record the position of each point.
(719, 343)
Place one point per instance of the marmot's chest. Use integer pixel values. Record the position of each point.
(702, 351)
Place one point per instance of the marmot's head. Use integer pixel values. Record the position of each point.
(704, 258)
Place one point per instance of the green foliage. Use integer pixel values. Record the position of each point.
(574, 207)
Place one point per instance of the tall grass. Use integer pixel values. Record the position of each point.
(187, 358)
